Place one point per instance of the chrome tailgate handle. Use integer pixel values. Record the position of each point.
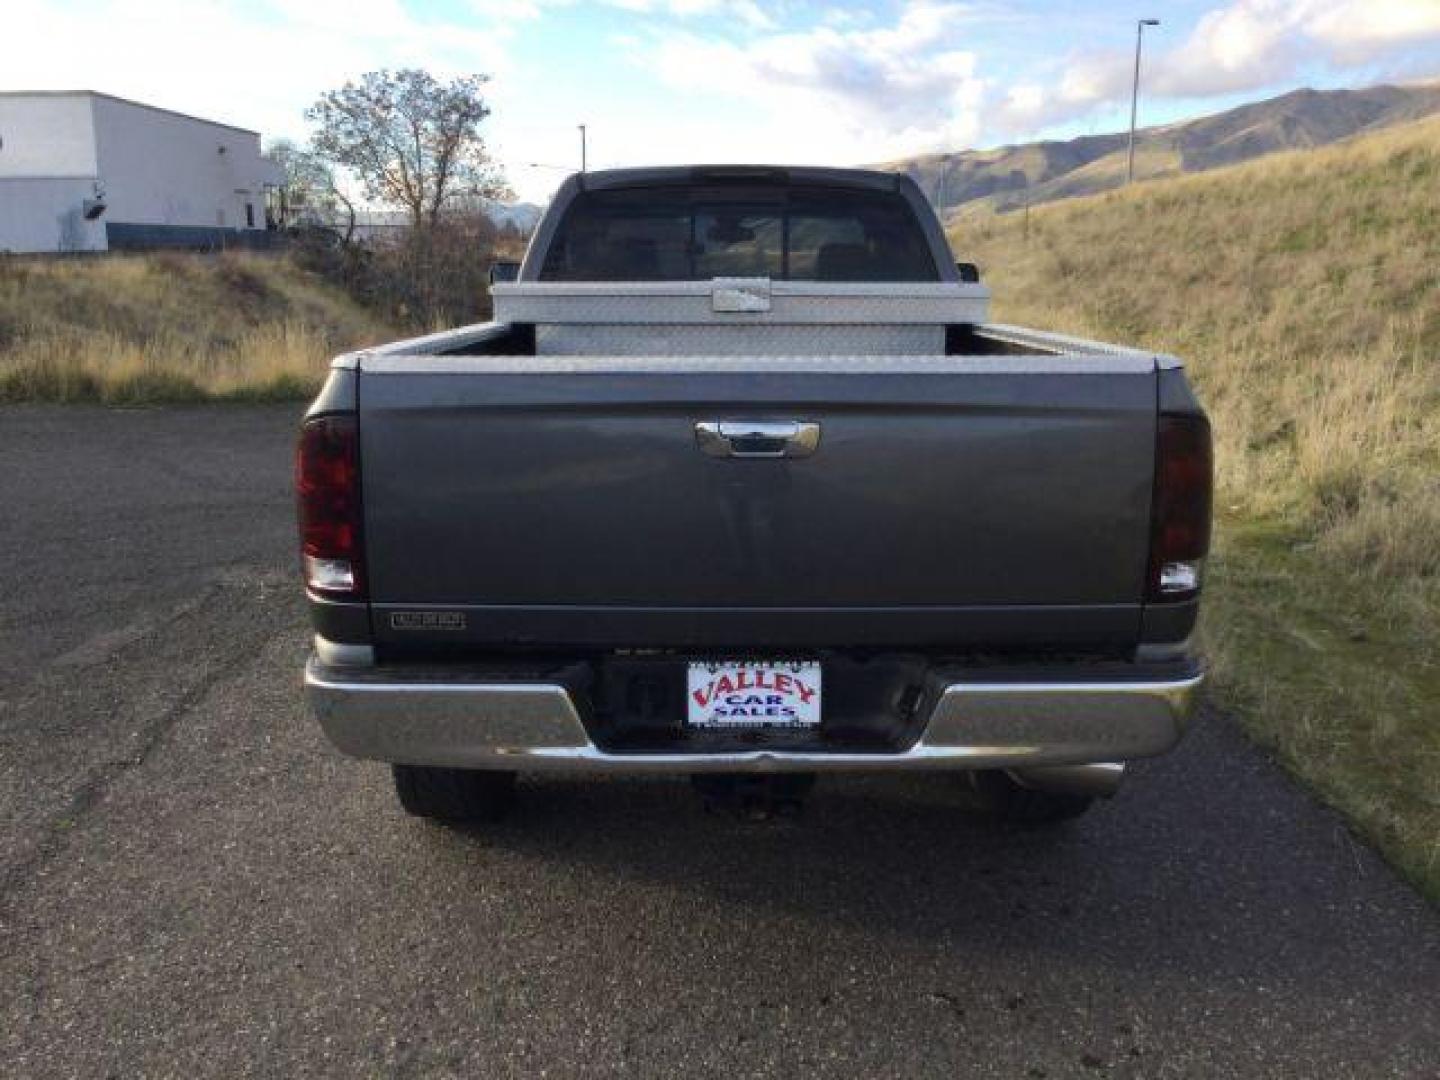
(757, 438)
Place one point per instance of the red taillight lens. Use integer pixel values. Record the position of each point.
(1180, 523)
(327, 486)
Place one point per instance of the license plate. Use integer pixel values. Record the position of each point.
(754, 694)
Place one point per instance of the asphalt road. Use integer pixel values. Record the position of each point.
(193, 884)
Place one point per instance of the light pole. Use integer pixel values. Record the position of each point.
(1135, 95)
(582, 147)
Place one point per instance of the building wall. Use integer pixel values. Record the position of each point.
(160, 168)
(46, 135)
(47, 171)
(165, 178)
(44, 214)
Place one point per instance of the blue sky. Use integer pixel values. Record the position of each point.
(725, 80)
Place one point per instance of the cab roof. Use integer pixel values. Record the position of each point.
(668, 175)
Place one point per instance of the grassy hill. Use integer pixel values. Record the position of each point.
(1041, 172)
(1304, 291)
(169, 327)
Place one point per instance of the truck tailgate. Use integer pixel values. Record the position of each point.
(951, 502)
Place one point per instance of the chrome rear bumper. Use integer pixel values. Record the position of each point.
(536, 726)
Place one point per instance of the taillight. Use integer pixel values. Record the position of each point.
(327, 486)
(1180, 522)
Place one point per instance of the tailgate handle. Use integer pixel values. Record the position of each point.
(757, 438)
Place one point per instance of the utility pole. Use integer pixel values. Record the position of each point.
(582, 148)
(1135, 95)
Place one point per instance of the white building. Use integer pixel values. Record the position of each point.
(81, 171)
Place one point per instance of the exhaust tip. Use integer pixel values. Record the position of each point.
(1099, 779)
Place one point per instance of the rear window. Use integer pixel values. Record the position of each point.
(697, 233)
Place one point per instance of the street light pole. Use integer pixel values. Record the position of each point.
(1135, 95)
(582, 148)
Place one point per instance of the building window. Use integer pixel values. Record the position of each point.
(249, 215)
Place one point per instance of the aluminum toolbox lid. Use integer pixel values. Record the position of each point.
(741, 301)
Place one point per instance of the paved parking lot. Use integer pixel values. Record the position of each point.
(194, 884)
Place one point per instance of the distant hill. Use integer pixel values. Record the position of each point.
(371, 224)
(522, 215)
(1043, 171)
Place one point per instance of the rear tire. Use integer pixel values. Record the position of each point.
(998, 795)
(458, 795)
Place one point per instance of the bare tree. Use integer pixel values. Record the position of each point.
(411, 140)
(311, 194)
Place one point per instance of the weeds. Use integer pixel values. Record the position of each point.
(1303, 290)
(170, 328)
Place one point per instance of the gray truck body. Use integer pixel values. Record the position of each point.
(954, 518)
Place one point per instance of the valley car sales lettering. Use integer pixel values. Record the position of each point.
(759, 694)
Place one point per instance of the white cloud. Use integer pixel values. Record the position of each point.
(1241, 46)
(1024, 98)
(1360, 29)
(508, 10)
(1246, 45)
(748, 13)
(253, 64)
(1376, 20)
(843, 93)
(1250, 44)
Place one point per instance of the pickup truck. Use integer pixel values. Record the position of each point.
(741, 484)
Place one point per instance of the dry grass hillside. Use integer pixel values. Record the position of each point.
(169, 327)
(1304, 292)
(1007, 177)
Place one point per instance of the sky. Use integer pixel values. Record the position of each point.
(673, 81)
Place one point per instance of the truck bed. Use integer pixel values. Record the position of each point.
(995, 493)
